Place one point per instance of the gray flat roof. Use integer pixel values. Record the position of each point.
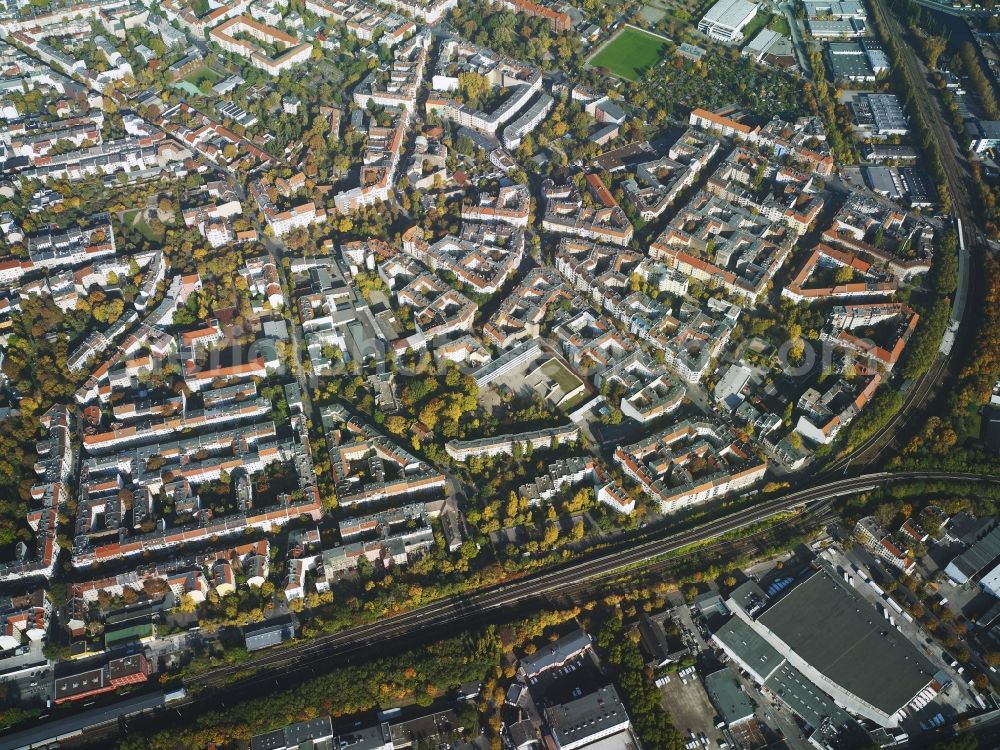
(587, 716)
(729, 700)
(749, 647)
(314, 729)
(749, 597)
(267, 634)
(980, 555)
(851, 66)
(370, 738)
(553, 654)
(804, 698)
(983, 129)
(711, 603)
(842, 636)
(880, 179)
(268, 740)
(294, 735)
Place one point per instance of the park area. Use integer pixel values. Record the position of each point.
(630, 53)
(199, 81)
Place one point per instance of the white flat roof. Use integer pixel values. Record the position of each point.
(733, 14)
(763, 40)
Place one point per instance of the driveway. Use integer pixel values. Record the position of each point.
(797, 41)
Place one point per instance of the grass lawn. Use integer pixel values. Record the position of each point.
(576, 401)
(193, 81)
(196, 77)
(780, 24)
(759, 21)
(630, 53)
(565, 379)
(187, 88)
(132, 220)
(147, 231)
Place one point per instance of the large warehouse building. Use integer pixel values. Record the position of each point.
(820, 629)
(726, 20)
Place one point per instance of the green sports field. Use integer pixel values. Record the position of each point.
(630, 53)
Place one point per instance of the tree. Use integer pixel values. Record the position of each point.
(885, 514)
(551, 534)
(473, 87)
(934, 47)
(396, 424)
(843, 275)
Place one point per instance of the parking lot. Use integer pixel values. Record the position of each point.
(578, 677)
(687, 703)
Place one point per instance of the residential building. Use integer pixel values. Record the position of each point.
(229, 35)
(883, 545)
(589, 720)
(690, 463)
(462, 450)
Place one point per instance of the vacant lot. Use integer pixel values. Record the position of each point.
(630, 53)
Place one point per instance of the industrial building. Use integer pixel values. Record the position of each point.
(983, 135)
(881, 152)
(875, 53)
(981, 557)
(881, 114)
(726, 20)
(836, 28)
(884, 181)
(733, 705)
(848, 62)
(267, 634)
(795, 642)
(861, 60)
(296, 735)
(834, 9)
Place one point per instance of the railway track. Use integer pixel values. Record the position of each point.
(575, 576)
(924, 389)
(814, 516)
(210, 690)
(884, 439)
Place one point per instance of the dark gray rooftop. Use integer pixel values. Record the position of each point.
(729, 700)
(588, 716)
(371, 738)
(842, 636)
(554, 654)
(804, 698)
(980, 556)
(742, 640)
(710, 603)
(294, 735)
(749, 597)
(267, 634)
